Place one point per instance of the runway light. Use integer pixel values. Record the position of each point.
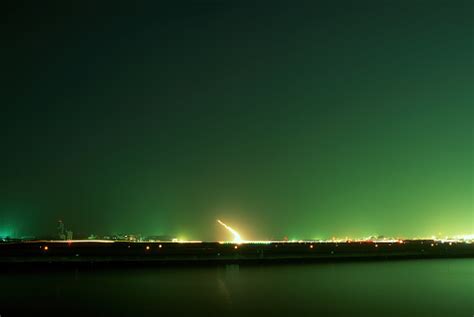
(147, 247)
(46, 248)
(159, 246)
(236, 247)
(311, 246)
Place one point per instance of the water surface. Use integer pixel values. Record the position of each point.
(392, 288)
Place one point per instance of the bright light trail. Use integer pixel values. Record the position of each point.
(237, 238)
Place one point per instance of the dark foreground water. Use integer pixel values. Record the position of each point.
(398, 288)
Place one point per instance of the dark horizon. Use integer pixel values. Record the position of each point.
(306, 120)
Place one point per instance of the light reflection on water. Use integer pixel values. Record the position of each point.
(398, 288)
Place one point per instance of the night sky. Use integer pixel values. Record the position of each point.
(305, 119)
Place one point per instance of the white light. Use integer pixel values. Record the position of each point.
(237, 238)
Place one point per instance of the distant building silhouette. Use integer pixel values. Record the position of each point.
(63, 233)
(61, 230)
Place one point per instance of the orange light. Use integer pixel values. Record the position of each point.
(46, 248)
(311, 246)
(236, 247)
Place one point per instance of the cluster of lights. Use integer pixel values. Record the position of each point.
(450, 241)
(237, 240)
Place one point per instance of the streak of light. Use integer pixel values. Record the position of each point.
(237, 238)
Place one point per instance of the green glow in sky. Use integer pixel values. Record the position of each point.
(314, 119)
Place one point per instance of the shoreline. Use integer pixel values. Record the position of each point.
(93, 254)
